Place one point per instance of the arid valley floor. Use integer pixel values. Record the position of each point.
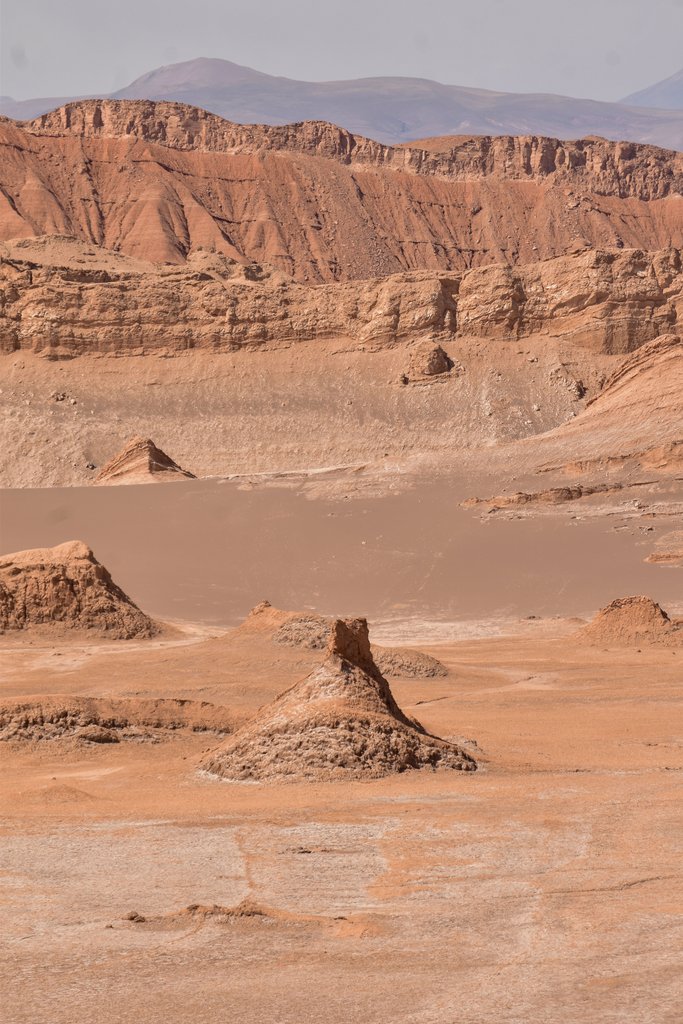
(438, 386)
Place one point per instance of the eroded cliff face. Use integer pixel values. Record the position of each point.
(63, 299)
(158, 181)
(611, 302)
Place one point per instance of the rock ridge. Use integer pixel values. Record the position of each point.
(161, 181)
(618, 168)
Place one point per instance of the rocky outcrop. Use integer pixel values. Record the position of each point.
(300, 629)
(428, 360)
(160, 181)
(339, 723)
(66, 587)
(609, 301)
(630, 621)
(141, 461)
(407, 663)
(108, 720)
(212, 304)
(61, 299)
(550, 496)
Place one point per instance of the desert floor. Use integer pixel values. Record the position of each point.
(545, 887)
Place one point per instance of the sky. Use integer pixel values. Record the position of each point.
(602, 49)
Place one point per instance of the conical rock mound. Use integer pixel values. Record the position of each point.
(66, 586)
(140, 461)
(628, 621)
(340, 722)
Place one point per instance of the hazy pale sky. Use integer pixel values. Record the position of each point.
(590, 48)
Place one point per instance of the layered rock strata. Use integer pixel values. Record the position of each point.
(61, 299)
(159, 181)
(108, 720)
(140, 461)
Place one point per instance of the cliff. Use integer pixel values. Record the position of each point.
(61, 298)
(158, 181)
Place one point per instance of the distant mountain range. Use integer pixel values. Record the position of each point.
(397, 109)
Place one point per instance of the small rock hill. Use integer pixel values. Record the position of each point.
(66, 587)
(407, 663)
(139, 462)
(628, 621)
(340, 723)
(428, 360)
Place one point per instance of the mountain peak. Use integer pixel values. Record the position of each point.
(666, 95)
(199, 73)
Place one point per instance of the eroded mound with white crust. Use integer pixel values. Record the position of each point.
(311, 631)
